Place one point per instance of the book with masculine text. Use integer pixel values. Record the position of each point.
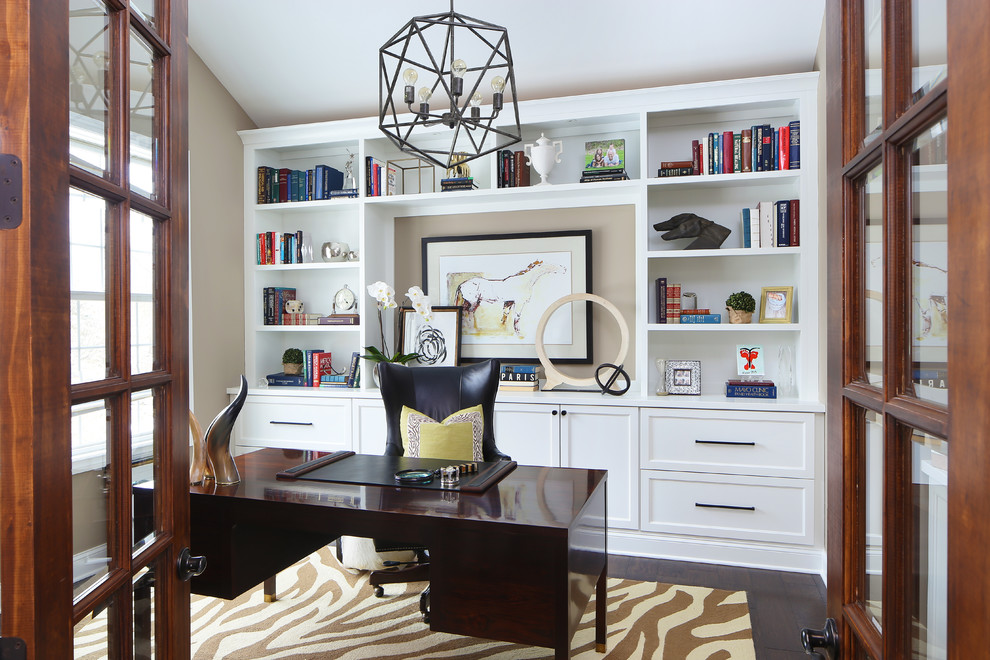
(783, 216)
(687, 319)
(795, 222)
(794, 153)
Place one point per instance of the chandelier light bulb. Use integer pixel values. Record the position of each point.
(425, 94)
(410, 76)
(458, 68)
(475, 99)
(498, 84)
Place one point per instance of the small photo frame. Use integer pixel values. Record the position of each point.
(683, 377)
(776, 304)
(749, 360)
(605, 154)
(437, 341)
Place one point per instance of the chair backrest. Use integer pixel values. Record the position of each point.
(438, 392)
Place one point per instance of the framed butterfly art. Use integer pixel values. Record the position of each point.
(749, 360)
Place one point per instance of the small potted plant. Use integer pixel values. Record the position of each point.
(292, 362)
(740, 306)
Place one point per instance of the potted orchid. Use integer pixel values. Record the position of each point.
(384, 296)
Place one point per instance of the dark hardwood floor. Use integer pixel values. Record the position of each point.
(780, 603)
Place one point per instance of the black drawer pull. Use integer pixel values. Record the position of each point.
(725, 442)
(725, 506)
(291, 423)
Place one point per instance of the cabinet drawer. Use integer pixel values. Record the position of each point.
(751, 508)
(769, 444)
(294, 423)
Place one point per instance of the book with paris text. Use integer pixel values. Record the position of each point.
(322, 366)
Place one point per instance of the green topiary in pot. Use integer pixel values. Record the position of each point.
(292, 361)
(741, 306)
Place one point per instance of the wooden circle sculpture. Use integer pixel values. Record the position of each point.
(554, 377)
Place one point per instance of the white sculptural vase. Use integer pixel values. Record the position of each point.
(543, 156)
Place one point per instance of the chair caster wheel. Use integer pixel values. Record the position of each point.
(379, 591)
(426, 618)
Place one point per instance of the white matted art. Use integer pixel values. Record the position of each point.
(504, 282)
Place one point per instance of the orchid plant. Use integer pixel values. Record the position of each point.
(384, 296)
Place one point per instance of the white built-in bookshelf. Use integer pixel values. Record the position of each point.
(645, 481)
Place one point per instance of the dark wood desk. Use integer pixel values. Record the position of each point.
(516, 563)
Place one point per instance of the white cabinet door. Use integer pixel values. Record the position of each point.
(369, 426)
(605, 437)
(296, 422)
(529, 433)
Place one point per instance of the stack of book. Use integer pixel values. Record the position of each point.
(273, 299)
(753, 389)
(679, 167)
(513, 172)
(668, 301)
(772, 224)
(458, 183)
(519, 378)
(277, 185)
(590, 176)
(301, 318)
(759, 148)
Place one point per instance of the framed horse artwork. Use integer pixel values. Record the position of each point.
(504, 282)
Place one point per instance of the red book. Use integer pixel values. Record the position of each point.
(321, 367)
(696, 311)
(784, 148)
(727, 152)
(795, 222)
(733, 381)
(664, 164)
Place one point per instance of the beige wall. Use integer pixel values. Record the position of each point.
(612, 250)
(216, 221)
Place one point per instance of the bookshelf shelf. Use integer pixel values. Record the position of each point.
(723, 327)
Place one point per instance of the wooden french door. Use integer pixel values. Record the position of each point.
(908, 386)
(93, 344)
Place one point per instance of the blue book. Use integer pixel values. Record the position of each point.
(286, 379)
(521, 368)
(747, 229)
(794, 157)
(700, 318)
(783, 213)
(751, 391)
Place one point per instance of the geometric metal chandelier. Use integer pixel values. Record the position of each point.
(444, 121)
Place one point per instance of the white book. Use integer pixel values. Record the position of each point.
(768, 228)
(754, 227)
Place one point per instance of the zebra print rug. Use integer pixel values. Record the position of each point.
(324, 611)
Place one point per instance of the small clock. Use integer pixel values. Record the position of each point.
(344, 301)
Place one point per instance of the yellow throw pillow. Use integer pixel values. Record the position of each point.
(457, 438)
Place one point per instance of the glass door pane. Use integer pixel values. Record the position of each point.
(92, 474)
(142, 234)
(871, 208)
(873, 68)
(145, 9)
(144, 131)
(928, 46)
(929, 492)
(144, 459)
(929, 265)
(90, 77)
(88, 240)
(872, 493)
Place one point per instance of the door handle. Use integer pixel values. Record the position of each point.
(189, 566)
(826, 639)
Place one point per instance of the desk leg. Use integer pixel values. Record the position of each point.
(601, 610)
(269, 588)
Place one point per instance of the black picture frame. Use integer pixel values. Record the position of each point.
(548, 265)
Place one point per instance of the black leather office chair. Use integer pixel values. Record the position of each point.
(436, 392)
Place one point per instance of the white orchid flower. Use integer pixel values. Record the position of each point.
(421, 303)
(383, 294)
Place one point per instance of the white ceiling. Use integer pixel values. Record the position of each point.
(296, 61)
